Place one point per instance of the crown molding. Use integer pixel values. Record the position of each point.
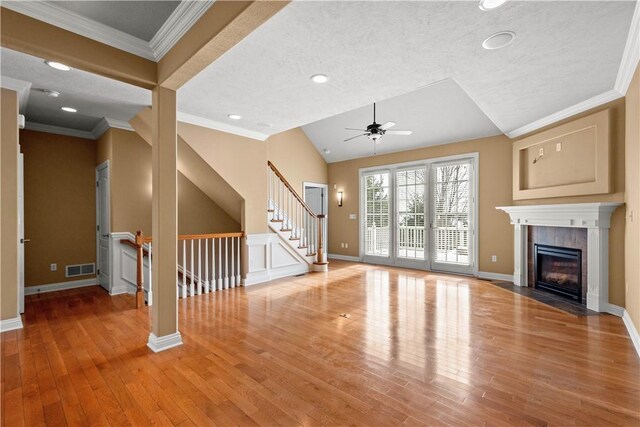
(631, 54)
(23, 88)
(179, 22)
(59, 130)
(106, 123)
(590, 103)
(55, 15)
(223, 127)
(183, 17)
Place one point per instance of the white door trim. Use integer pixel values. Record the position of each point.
(99, 168)
(21, 241)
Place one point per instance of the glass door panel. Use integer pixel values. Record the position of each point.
(451, 222)
(377, 214)
(411, 188)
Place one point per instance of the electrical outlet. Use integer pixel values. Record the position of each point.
(353, 216)
(54, 267)
(342, 245)
(346, 246)
(494, 258)
(541, 152)
(559, 146)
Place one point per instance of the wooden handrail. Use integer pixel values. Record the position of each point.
(148, 239)
(286, 183)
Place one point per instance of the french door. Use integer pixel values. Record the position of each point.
(420, 215)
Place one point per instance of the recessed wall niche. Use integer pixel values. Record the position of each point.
(568, 160)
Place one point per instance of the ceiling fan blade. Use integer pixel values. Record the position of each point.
(387, 125)
(398, 132)
(361, 130)
(354, 137)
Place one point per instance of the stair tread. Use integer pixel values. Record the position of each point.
(277, 220)
(286, 229)
(270, 210)
(303, 247)
(313, 254)
(294, 238)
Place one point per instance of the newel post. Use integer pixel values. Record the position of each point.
(139, 269)
(321, 256)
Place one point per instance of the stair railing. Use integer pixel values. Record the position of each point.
(206, 263)
(288, 208)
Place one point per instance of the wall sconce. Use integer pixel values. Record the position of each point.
(340, 198)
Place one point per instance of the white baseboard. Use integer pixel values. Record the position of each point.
(633, 332)
(345, 257)
(616, 310)
(495, 276)
(158, 344)
(52, 287)
(7, 325)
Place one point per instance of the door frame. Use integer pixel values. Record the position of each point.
(325, 207)
(104, 165)
(392, 259)
(21, 238)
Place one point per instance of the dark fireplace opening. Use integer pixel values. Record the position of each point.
(558, 270)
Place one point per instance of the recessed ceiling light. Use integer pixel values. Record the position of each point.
(319, 78)
(265, 125)
(234, 116)
(487, 5)
(51, 93)
(498, 40)
(69, 109)
(327, 151)
(57, 65)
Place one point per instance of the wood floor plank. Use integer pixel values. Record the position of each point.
(419, 348)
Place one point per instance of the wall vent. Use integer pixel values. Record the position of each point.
(80, 270)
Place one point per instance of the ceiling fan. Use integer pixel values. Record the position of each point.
(376, 131)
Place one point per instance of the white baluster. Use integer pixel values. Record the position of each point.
(233, 265)
(150, 292)
(220, 265)
(226, 263)
(199, 267)
(213, 265)
(184, 269)
(206, 266)
(191, 284)
(239, 241)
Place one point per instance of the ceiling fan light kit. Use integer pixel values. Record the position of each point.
(376, 131)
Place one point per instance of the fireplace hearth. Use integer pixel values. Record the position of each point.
(558, 270)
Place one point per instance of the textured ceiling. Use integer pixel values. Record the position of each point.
(140, 19)
(437, 114)
(93, 96)
(563, 54)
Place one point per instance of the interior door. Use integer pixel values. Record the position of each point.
(21, 240)
(452, 227)
(103, 224)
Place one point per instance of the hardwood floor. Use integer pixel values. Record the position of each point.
(418, 349)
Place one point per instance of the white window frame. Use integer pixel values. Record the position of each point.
(392, 259)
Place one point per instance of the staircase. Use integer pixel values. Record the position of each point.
(290, 217)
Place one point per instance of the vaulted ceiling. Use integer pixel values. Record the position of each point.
(423, 62)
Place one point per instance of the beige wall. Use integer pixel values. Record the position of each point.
(617, 232)
(495, 232)
(8, 204)
(60, 205)
(130, 168)
(297, 158)
(632, 199)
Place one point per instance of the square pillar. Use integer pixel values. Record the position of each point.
(164, 224)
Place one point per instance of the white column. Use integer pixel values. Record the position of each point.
(519, 254)
(598, 269)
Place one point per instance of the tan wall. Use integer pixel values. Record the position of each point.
(297, 158)
(495, 232)
(242, 162)
(60, 205)
(8, 204)
(131, 191)
(617, 232)
(632, 199)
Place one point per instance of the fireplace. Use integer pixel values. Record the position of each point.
(558, 270)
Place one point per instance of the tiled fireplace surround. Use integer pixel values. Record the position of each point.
(569, 223)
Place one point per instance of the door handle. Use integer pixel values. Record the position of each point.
(25, 240)
(105, 235)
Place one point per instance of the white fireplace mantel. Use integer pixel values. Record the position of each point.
(595, 217)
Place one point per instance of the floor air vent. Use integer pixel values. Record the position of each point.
(80, 270)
